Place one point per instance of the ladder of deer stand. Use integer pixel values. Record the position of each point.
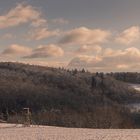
(27, 117)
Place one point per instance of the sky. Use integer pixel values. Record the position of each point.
(98, 35)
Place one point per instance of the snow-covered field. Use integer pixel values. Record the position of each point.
(17, 132)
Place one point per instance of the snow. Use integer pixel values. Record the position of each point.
(18, 132)
(135, 86)
(134, 107)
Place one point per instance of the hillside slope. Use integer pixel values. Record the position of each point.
(64, 98)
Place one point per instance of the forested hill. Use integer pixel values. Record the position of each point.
(64, 97)
(130, 77)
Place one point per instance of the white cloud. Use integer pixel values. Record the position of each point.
(129, 36)
(107, 52)
(38, 22)
(85, 36)
(22, 13)
(112, 60)
(42, 33)
(127, 57)
(41, 51)
(16, 50)
(84, 61)
(89, 49)
(46, 51)
(123, 66)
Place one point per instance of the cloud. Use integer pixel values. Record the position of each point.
(116, 60)
(107, 52)
(42, 51)
(22, 13)
(85, 36)
(84, 61)
(127, 56)
(15, 50)
(89, 49)
(60, 21)
(46, 51)
(42, 33)
(8, 36)
(44, 63)
(39, 22)
(129, 36)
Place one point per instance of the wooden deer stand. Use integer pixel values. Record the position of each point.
(27, 117)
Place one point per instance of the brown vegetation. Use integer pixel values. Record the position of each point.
(62, 97)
